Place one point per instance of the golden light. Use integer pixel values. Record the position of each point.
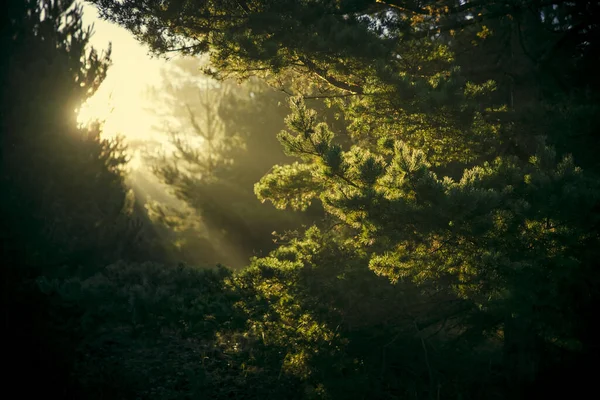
(121, 101)
(125, 109)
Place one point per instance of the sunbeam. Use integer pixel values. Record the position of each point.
(121, 100)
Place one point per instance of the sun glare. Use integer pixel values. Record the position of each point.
(120, 102)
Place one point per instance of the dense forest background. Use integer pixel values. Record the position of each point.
(359, 199)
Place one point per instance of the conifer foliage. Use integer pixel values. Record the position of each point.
(462, 173)
(63, 189)
(458, 258)
(63, 205)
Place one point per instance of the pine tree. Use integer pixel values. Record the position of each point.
(65, 201)
(463, 175)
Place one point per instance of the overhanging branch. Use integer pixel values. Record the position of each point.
(321, 73)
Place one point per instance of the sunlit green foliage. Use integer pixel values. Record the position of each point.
(459, 254)
(502, 225)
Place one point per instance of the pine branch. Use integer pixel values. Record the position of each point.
(321, 73)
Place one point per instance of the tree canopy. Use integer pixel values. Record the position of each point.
(450, 144)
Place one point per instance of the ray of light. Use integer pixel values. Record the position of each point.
(121, 101)
(123, 105)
